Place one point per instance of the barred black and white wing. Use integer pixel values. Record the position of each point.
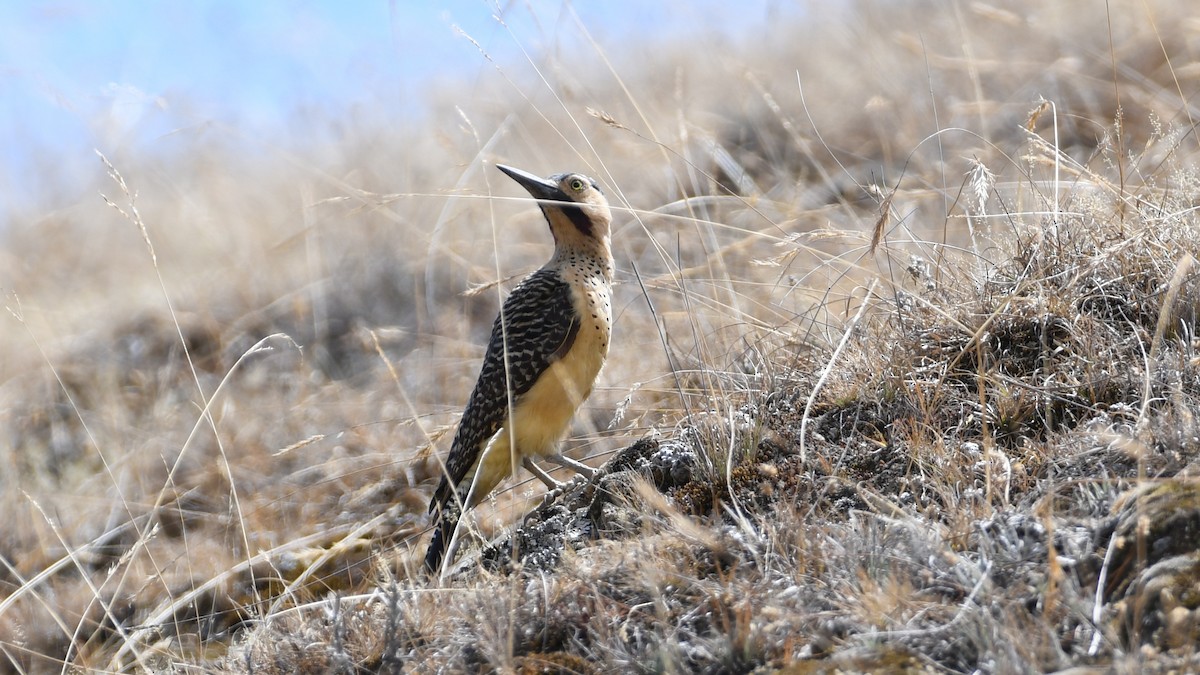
(537, 325)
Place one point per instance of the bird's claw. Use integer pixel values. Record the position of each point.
(563, 488)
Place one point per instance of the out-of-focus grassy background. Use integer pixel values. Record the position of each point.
(246, 326)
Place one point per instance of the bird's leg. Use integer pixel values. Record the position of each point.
(575, 465)
(540, 474)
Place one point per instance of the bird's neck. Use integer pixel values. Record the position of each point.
(588, 248)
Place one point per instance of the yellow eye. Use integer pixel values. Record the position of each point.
(576, 185)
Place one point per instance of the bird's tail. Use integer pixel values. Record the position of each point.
(443, 532)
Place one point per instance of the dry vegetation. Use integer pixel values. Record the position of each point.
(904, 377)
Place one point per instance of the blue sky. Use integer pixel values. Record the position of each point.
(82, 74)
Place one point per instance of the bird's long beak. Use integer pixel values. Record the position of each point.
(539, 187)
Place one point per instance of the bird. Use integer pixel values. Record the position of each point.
(547, 346)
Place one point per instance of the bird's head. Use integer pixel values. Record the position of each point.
(572, 203)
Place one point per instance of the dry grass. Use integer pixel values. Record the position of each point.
(906, 299)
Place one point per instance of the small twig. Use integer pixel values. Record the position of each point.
(812, 397)
(1098, 606)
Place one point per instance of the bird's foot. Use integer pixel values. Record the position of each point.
(563, 488)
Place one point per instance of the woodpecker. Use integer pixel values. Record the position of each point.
(547, 346)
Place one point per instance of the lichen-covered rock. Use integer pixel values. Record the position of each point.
(1153, 565)
(593, 509)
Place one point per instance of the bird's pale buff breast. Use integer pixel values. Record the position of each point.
(569, 381)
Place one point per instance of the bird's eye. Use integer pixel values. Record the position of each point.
(576, 185)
